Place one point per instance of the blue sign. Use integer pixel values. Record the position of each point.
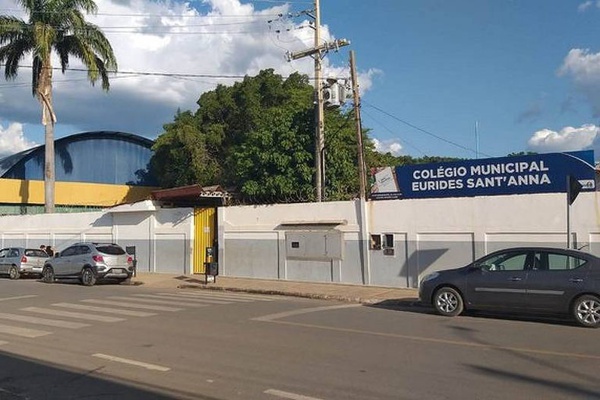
(537, 173)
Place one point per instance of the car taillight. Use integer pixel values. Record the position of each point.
(23, 259)
(129, 260)
(98, 258)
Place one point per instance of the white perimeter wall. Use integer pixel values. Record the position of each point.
(327, 242)
(427, 235)
(163, 237)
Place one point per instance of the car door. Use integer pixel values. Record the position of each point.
(555, 279)
(3, 265)
(498, 281)
(62, 262)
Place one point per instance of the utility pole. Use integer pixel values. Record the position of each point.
(319, 112)
(363, 217)
(359, 141)
(318, 52)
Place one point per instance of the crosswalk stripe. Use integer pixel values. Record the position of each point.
(48, 311)
(129, 305)
(186, 300)
(152, 301)
(27, 296)
(226, 295)
(130, 313)
(205, 296)
(24, 332)
(43, 321)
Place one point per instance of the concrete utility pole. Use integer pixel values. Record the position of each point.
(319, 112)
(318, 52)
(363, 218)
(359, 141)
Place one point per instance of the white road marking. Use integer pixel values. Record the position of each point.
(43, 321)
(130, 313)
(28, 296)
(101, 318)
(129, 305)
(25, 332)
(272, 317)
(186, 300)
(228, 295)
(288, 395)
(205, 296)
(151, 301)
(132, 362)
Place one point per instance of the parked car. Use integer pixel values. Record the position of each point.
(18, 261)
(525, 279)
(89, 262)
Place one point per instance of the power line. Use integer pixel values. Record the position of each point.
(392, 132)
(425, 131)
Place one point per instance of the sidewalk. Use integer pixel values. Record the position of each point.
(314, 290)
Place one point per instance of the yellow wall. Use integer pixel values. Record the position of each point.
(15, 191)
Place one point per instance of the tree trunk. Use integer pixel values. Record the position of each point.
(48, 120)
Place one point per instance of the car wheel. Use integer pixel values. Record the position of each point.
(13, 272)
(586, 311)
(448, 302)
(88, 277)
(48, 274)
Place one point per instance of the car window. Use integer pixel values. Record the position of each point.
(69, 251)
(513, 261)
(111, 249)
(3, 253)
(35, 253)
(13, 253)
(84, 250)
(563, 262)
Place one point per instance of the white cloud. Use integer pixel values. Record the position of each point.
(388, 146)
(12, 140)
(583, 68)
(567, 139)
(585, 6)
(219, 38)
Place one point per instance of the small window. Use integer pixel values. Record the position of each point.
(388, 244)
(375, 242)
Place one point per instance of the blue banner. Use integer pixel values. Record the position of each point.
(536, 173)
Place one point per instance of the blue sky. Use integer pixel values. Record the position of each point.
(526, 72)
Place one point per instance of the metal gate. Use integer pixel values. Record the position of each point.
(205, 226)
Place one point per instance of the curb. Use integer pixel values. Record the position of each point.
(409, 301)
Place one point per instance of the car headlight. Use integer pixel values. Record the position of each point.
(430, 276)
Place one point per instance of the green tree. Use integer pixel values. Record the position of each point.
(59, 26)
(180, 154)
(260, 133)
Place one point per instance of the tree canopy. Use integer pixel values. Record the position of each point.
(256, 138)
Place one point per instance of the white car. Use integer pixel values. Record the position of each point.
(18, 261)
(89, 262)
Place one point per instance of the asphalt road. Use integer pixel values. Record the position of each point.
(65, 341)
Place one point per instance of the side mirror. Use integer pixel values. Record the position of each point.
(57, 254)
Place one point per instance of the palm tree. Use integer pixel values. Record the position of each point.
(59, 26)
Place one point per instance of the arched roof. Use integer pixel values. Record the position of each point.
(97, 157)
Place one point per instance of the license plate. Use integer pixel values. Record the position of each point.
(117, 271)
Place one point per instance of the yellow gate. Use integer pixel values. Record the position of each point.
(205, 226)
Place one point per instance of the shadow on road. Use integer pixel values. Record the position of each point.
(25, 378)
(414, 306)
